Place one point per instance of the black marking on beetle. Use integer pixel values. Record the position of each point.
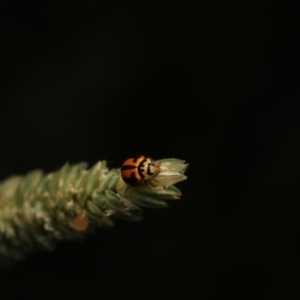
(141, 168)
(149, 170)
(132, 179)
(128, 167)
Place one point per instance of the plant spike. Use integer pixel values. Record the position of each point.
(38, 210)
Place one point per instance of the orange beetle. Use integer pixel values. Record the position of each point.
(138, 169)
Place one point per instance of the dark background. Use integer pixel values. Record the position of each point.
(216, 84)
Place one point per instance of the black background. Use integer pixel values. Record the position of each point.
(213, 83)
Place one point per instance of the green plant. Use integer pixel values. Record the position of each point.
(38, 210)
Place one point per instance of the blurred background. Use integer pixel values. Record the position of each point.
(213, 83)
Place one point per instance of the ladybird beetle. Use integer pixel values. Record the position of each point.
(138, 169)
